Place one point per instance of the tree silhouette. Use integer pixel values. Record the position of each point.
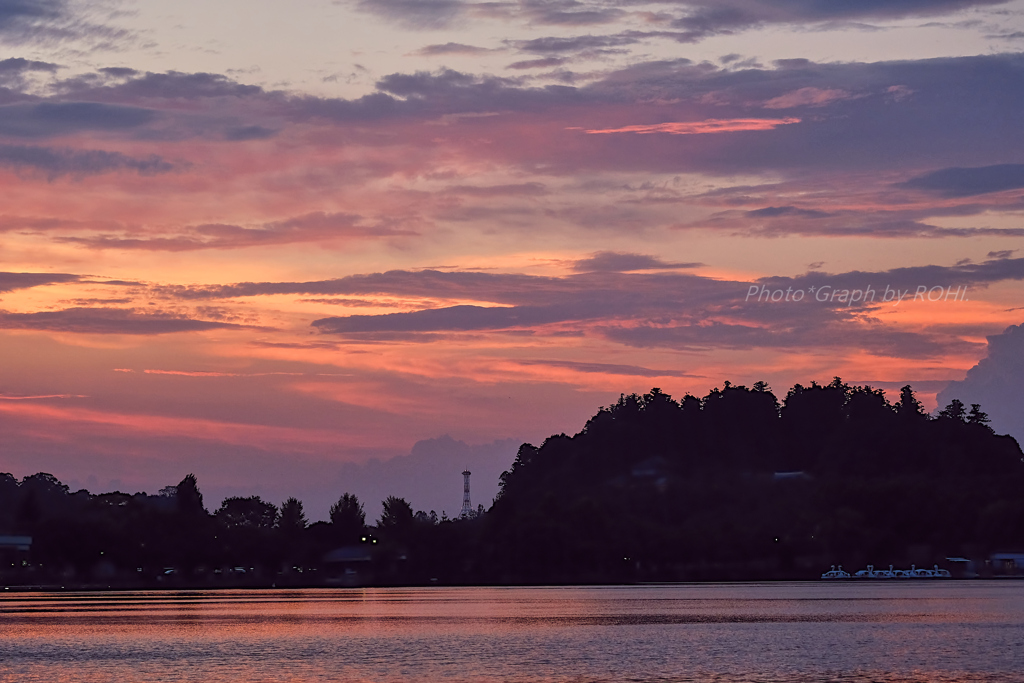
(250, 512)
(978, 417)
(954, 411)
(348, 518)
(292, 518)
(908, 406)
(188, 497)
(397, 515)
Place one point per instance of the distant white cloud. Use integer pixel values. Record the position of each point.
(430, 477)
(996, 383)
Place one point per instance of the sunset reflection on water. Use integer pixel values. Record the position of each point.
(955, 631)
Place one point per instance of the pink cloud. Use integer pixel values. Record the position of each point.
(806, 97)
(85, 422)
(201, 373)
(40, 396)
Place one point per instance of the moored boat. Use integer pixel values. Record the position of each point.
(891, 573)
(836, 573)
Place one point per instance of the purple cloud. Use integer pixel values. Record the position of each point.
(704, 18)
(607, 368)
(674, 310)
(12, 281)
(55, 163)
(48, 119)
(967, 182)
(312, 227)
(452, 49)
(415, 14)
(107, 321)
(893, 115)
(14, 70)
(611, 261)
(542, 63)
(697, 19)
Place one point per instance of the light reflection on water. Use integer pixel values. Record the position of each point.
(950, 631)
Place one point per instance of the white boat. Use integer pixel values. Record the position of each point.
(836, 573)
(868, 573)
(890, 573)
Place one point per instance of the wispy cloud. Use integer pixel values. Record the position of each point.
(415, 14)
(214, 373)
(607, 368)
(55, 163)
(697, 127)
(806, 97)
(12, 281)
(312, 227)
(452, 49)
(47, 119)
(694, 19)
(107, 321)
(611, 261)
(39, 397)
(967, 182)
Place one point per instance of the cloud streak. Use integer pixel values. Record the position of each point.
(312, 227)
(694, 20)
(415, 14)
(49, 119)
(12, 281)
(699, 127)
(606, 368)
(40, 397)
(107, 321)
(683, 311)
(610, 261)
(56, 163)
(969, 182)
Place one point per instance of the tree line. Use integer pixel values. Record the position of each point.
(171, 539)
(733, 485)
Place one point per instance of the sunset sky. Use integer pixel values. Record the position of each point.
(306, 248)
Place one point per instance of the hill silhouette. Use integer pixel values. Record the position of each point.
(738, 485)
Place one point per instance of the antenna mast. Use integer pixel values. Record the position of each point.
(467, 507)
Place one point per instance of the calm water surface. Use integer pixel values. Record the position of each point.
(946, 631)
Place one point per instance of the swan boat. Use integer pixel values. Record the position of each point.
(890, 573)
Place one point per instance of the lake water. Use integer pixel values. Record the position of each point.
(849, 632)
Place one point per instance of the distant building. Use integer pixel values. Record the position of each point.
(14, 550)
(16, 543)
(1007, 564)
(350, 565)
(654, 470)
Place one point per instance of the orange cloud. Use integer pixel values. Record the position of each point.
(202, 373)
(40, 396)
(698, 127)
